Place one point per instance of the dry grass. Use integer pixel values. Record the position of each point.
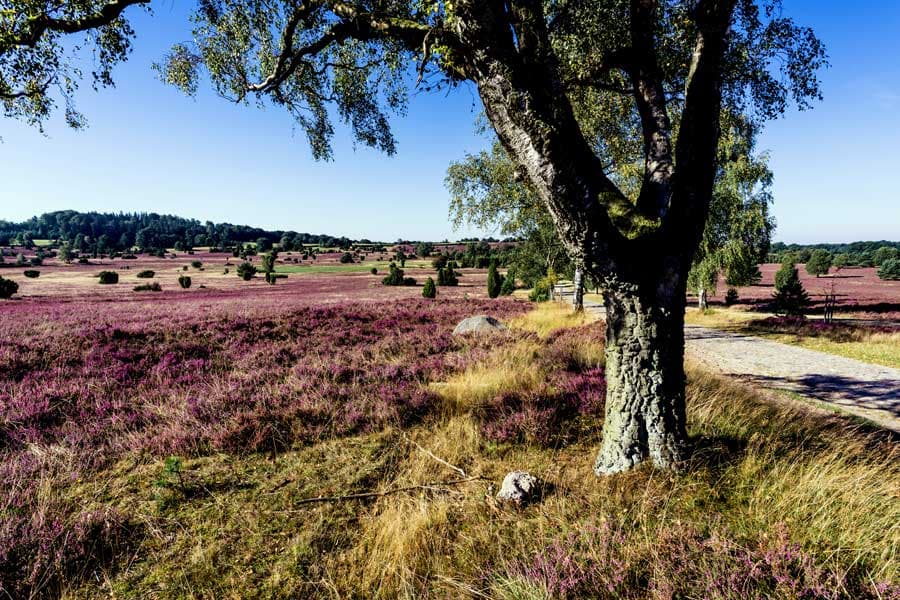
(549, 317)
(758, 469)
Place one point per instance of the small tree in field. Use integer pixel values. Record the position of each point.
(396, 278)
(784, 272)
(246, 271)
(790, 297)
(890, 270)
(184, 281)
(8, 287)
(429, 290)
(494, 281)
(819, 262)
(346, 258)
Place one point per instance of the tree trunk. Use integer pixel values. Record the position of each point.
(701, 299)
(578, 291)
(645, 406)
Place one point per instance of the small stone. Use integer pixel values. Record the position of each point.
(518, 487)
(478, 324)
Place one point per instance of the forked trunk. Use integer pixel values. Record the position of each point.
(645, 406)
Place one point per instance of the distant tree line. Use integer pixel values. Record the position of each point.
(100, 233)
(854, 254)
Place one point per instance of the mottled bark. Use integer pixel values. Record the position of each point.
(645, 407)
(701, 299)
(578, 291)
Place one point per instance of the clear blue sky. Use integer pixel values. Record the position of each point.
(149, 148)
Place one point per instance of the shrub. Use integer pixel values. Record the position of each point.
(8, 287)
(447, 276)
(440, 262)
(346, 258)
(31, 274)
(890, 270)
(225, 272)
(108, 277)
(246, 271)
(373, 271)
(83, 260)
(731, 296)
(784, 273)
(146, 274)
(184, 268)
(36, 261)
(429, 290)
(196, 263)
(184, 281)
(494, 281)
(790, 298)
(396, 277)
(819, 262)
(509, 284)
(541, 290)
(148, 287)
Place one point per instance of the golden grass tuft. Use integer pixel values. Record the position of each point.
(506, 370)
(548, 317)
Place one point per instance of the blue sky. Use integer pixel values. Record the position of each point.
(149, 148)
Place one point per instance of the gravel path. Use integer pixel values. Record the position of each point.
(863, 389)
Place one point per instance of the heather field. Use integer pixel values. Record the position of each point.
(860, 293)
(256, 441)
(317, 281)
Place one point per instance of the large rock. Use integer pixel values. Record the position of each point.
(478, 324)
(518, 487)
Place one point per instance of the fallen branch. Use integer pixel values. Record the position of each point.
(437, 458)
(425, 486)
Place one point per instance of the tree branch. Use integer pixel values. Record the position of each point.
(650, 98)
(35, 27)
(698, 136)
(353, 24)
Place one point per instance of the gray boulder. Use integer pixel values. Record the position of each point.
(518, 487)
(478, 324)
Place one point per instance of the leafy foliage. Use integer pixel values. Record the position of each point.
(31, 273)
(890, 270)
(184, 282)
(819, 262)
